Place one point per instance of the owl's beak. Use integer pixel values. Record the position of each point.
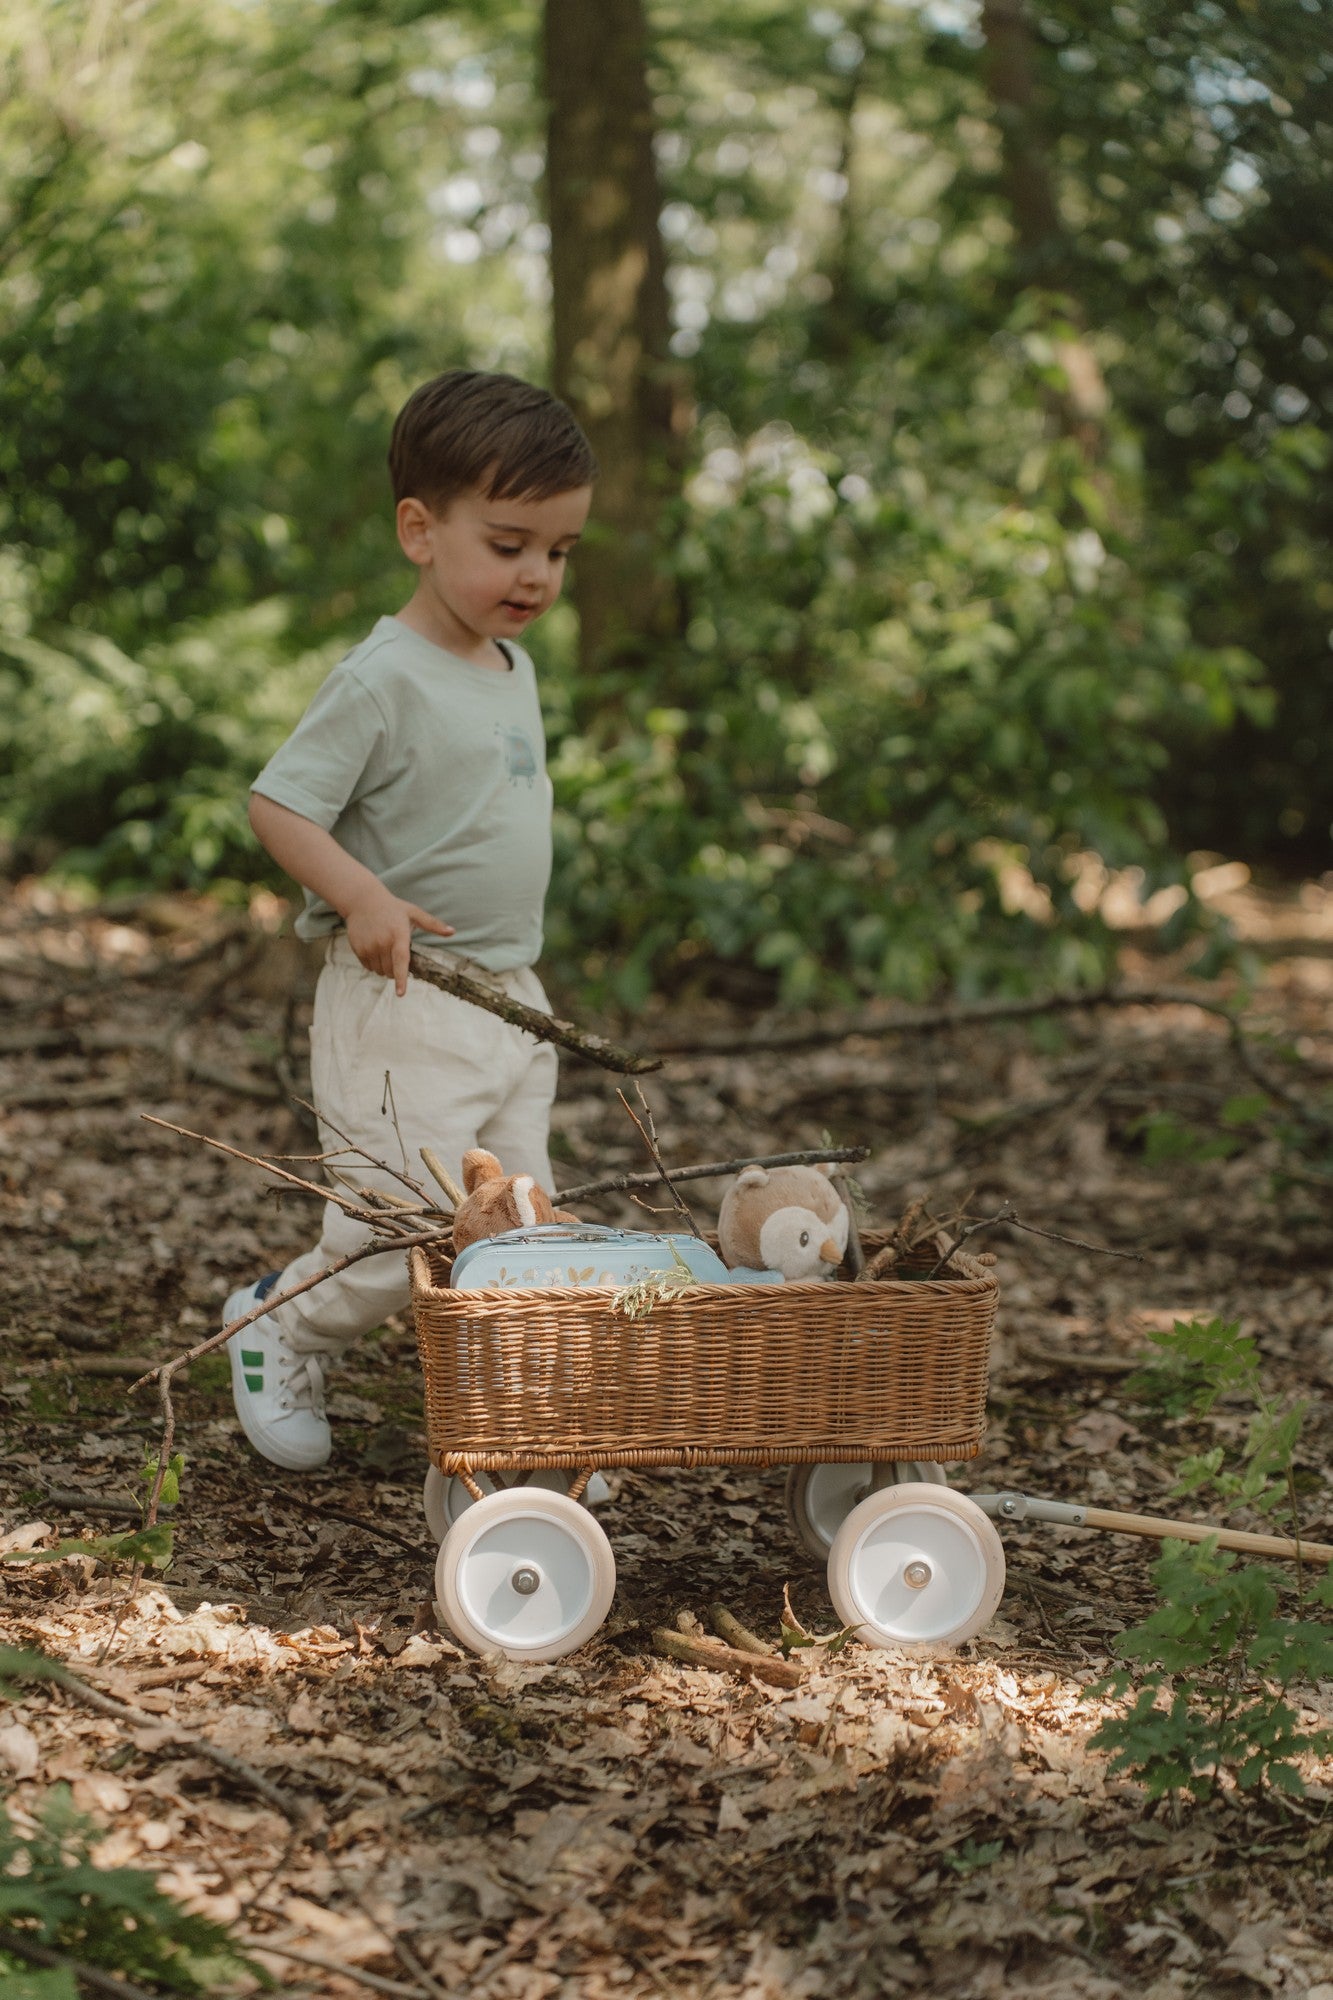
(829, 1251)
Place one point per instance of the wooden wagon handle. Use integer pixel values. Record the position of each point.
(1198, 1531)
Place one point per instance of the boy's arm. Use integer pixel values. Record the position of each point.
(379, 924)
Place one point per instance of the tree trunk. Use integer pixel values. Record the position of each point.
(1029, 187)
(610, 316)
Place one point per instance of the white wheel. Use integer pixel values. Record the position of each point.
(526, 1573)
(819, 1498)
(444, 1498)
(917, 1567)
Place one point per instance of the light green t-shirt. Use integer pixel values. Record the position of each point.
(432, 772)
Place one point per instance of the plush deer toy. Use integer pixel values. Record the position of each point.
(495, 1201)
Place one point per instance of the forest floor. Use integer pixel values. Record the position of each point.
(616, 1824)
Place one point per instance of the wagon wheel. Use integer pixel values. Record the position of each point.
(444, 1496)
(527, 1573)
(819, 1498)
(916, 1567)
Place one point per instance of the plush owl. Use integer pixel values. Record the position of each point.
(788, 1219)
(495, 1201)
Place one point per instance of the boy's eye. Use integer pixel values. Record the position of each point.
(505, 549)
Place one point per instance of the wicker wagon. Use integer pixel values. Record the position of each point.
(865, 1390)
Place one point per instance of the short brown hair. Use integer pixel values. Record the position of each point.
(464, 430)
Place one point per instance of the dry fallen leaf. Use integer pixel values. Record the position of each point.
(19, 1752)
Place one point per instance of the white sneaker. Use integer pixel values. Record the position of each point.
(279, 1395)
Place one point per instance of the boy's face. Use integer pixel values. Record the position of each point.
(487, 568)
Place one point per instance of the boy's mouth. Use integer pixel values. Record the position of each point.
(517, 610)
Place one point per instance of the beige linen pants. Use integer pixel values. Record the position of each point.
(457, 1077)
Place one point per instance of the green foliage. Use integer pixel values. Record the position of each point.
(151, 1546)
(1167, 1137)
(1197, 1362)
(934, 652)
(902, 715)
(972, 1855)
(1212, 1668)
(134, 771)
(54, 1896)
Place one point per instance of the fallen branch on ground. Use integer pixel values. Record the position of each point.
(723, 1659)
(735, 1634)
(38, 1670)
(958, 1014)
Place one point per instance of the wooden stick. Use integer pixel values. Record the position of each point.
(543, 1027)
(721, 1659)
(737, 1635)
(712, 1170)
(1199, 1531)
(435, 1169)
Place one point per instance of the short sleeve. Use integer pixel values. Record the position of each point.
(334, 754)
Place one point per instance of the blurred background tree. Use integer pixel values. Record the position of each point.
(961, 376)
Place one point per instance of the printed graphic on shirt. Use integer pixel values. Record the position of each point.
(520, 756)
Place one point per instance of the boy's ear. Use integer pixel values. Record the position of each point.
(414, 522)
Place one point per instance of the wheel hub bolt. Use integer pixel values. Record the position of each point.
(525, 1581)
(917, 1575)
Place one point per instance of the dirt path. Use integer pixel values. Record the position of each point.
(617, 1825)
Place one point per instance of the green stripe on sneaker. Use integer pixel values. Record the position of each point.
(249, 1360)
(255, 1382)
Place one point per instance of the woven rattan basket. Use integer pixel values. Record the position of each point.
(723, 1375)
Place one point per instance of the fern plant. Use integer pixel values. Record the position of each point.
(60, 1912)
(1212, 1669)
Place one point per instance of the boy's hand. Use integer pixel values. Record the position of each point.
(379, 930)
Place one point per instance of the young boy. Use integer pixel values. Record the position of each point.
(412, 804)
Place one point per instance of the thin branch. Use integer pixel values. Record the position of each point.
(163, 1375)
(1005, 1213)
(1076, 1242)
(371, 1980)
(360, 1152)
(296, 1812)
(648, 1133)
(543, 1027)
(436, 1169)
(373, 1528)
(948, 1014)
(712, 1170)
(279, 1173)
(956, 1014)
